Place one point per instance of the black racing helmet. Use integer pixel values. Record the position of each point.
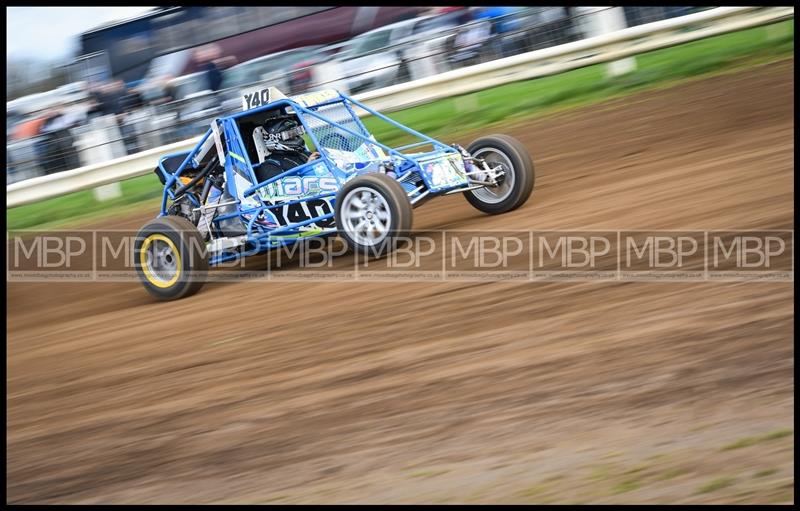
(284, 134)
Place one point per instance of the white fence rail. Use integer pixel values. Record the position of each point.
(604, 48)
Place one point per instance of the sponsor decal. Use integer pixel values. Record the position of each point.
(315, 98)
(295, 187)
(445, 172)
(303, 211)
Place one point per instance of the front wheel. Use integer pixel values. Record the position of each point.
(514, 186)
(372, 212)
(170, 258)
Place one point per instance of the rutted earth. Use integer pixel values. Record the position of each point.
(471, 392)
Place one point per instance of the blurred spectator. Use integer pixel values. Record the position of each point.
(449, 9)
(116, 99)
(226, 62)
(470, 38)
(159, 91)
(111, 99)
(55, 149)
(552, 14)
(95, 100)
(502, 18)
(436, 11)
(213, 75)
(546, 27)
(170, 92)
(502, 21)
(208, 56)
(132, 100)
(29, 128)
(300, 76)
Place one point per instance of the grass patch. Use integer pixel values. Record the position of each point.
(781, 433)
(141, 192)
(637, 469)
(765, 473)
(428, 473)
(542, 487)
(743, 442)
(534, 491)
(672, 473)
(657, 457)
(753, 440)
(600, 473)
(717, 484)
(276, 498)
(450, 117)
(626, 486)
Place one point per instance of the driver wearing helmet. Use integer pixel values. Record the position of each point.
(281, 147)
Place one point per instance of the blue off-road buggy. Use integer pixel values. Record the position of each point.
(253, 183)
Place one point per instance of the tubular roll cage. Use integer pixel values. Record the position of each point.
(290, 233)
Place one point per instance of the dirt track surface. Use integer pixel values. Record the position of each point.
(449, 392)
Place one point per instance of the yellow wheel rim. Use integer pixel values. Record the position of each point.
(166, 258)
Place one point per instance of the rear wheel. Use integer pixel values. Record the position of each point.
(515, 186)
(372, 211)
(170, 259)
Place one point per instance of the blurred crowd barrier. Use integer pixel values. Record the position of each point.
(110, 120)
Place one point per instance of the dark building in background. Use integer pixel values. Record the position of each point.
(241, 32)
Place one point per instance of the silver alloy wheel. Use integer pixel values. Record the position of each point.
(495, 194)
(366, 216)
(161, 262)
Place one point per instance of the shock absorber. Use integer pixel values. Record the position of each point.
(212, 193)
(473, 171)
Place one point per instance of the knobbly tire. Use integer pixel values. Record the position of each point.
(517, 184)
(170, 259)
(372, 212)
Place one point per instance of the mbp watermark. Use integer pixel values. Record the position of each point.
(574, 255)
(482, 256)
(425, 256)
(751, 255)
(50, 256)
(412, 257)
(663, 255)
